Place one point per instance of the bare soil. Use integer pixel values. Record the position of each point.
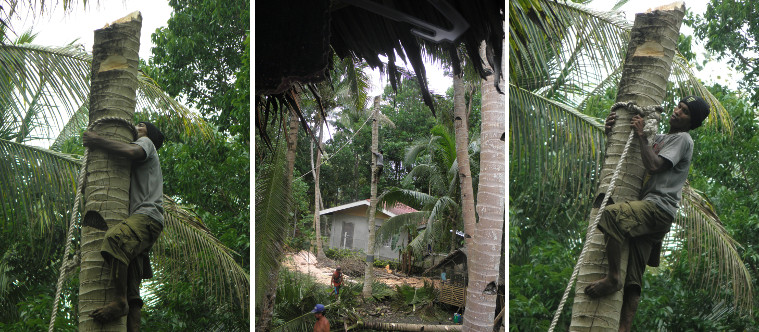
(353, 271)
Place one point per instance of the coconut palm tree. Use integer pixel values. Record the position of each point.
(438, 201)
(561, 55)
(45, 97)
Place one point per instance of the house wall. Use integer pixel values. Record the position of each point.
(360, 234)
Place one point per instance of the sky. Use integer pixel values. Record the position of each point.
(714, 71)
(56, 28)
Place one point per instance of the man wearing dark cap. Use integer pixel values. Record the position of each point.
(647, 221)
(322, 324)
(126, 246)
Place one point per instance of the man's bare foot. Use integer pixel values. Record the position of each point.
(603, 287)
(111, 311)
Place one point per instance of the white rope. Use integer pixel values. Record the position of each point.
(66, 263)
(649, 113)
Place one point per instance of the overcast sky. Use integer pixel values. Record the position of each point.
(57, 28)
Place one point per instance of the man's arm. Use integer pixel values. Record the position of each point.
(651, 161)
(127, 150)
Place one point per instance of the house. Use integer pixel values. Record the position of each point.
(350, 227)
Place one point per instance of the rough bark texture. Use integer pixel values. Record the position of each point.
(369, 268)
(653, 43)
(106, 192)
(461, 128)
(484, 256)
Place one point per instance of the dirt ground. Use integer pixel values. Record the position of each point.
(305, 262)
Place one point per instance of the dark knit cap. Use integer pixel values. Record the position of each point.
(155, 135)
(699, 110)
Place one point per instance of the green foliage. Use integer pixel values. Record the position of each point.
(416, 298)
(382, 263)
(731, 29)
(198, 56)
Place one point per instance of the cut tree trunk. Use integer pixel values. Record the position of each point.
(106, 192)
(369, 268)
(461, 129)
(408, 327)
(484, 257)
(653, 43)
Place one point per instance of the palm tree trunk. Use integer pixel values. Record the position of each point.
(369, 268)
(270, 297)
(317, 192)
(461, 128)
(484, 257)
(106, 192)
(645, 73)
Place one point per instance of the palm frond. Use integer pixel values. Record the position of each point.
(396, 225)
(60, 73)
(36, 184)
(552, 143)
(562, 46)
(186, 244)
(710, 245)
(414, 199)
(273, 206)
(58, 78)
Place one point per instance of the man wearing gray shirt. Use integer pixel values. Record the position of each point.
(126, 245)
(647, 221)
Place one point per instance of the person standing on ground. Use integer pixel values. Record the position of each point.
(645, 222)
(126, 246)
(322, 324)
(337, 281)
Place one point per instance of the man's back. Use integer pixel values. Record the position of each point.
(322, 325)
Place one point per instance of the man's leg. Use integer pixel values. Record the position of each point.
(611, 282)
(117, 307)
(133, 319)
(629, 307)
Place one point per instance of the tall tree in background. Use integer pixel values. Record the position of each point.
(461, 126)
(369, 265)
(483, 259)
(198, 54)
(315, 168)
(731, 29)
(106, 186)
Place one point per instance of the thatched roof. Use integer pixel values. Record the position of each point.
(295, 38)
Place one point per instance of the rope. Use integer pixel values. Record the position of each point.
(67, 264)
(649, 113)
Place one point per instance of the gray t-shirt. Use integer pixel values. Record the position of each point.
(665, 188)
(146, 189)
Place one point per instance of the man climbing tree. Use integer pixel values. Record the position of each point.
(645, 222)
(126, 245)
(380, 163)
